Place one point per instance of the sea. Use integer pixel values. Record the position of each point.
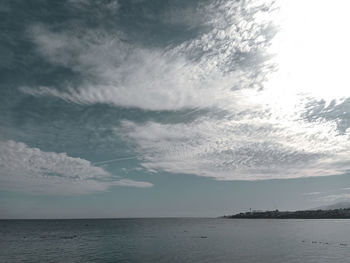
(175, 240)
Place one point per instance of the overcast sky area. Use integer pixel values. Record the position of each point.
(148, 108)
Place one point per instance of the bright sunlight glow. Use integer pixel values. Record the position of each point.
(312, 51)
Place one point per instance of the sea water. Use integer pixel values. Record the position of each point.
(175, 240)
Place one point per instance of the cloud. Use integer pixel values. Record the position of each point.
(312, 193)
(252, 128)
(246, 148)
(330, 196)
(334, 197)
(23, 168)
(100, 6)
(201, 72)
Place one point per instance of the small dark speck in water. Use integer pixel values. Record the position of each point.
(68, 237)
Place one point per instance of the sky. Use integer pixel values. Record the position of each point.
(159, 108)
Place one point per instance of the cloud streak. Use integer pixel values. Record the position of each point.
(252, 128)
(197, 73)
(334, 197)
(29, 169)
(241, 149)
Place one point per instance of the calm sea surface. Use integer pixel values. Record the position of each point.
(175, 240)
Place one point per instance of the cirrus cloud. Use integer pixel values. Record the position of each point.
(31, 170)
(250, 131)
(245, 148)
(200, 72)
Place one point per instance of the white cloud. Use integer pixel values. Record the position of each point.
(29, 169)
(312, 193)
(246, 148)
(197, 73)
(259, 133)
(334, 197)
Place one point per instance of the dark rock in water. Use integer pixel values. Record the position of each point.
(68, 237)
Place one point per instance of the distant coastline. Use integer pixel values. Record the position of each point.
(302, 214)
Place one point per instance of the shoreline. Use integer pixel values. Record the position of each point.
(302, 214)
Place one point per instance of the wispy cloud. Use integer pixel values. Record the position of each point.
(250, 130)
(197, 73)
(115, 160)
(330, 196)
(239, 149)
(334, 197)
(100, 6)
(29, 169)
(312, 193)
